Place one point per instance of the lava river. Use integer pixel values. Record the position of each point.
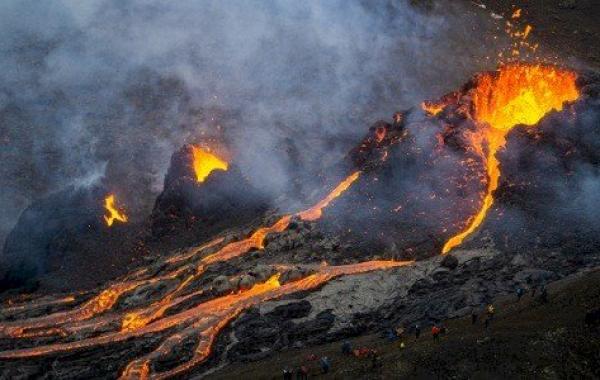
(99, 322)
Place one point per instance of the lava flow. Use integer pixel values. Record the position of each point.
(518, 94)
(96, 322)
(206, 162)
(140, 318)
(315, 212)
(113, 212)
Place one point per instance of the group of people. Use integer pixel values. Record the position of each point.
(398, 333)
(302, 371)
(362, 353)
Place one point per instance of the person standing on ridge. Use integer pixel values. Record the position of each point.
(435, 332)
(491, 311)
(520, 292)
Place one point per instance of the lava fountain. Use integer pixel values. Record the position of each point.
(206, 162)
(517, 94)
(113, 212)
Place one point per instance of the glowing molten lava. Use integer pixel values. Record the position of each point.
(516, 94)
(113, 212)
(432, 108)
(315, 212)
(205, 162)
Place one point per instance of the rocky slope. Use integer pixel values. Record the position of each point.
(527, 339)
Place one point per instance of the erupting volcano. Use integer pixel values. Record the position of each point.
(183, 298)
(270, 224)
(517, 94)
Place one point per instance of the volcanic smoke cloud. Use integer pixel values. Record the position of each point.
(105, 91)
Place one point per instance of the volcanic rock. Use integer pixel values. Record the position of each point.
(418, 187)
(294, 274)
(262, 272)
(592, 317)
(192, 210)
(519, 260)
(449, 261)
(246, 282)
(65, 234)
(534, 276)
(291, 310)
(221, 284)
(400, 200)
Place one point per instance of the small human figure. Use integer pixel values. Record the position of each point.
(443, 329)
(417, 331)
(474, 317)
(346, 348)
(520, 292)
(391, 335)
(325, 364)
(399, 332)
(375, 359)
(491, 310)
(544, 294)
(302, 373)
(435, 332)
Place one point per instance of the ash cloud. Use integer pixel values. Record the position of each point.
(107, 90)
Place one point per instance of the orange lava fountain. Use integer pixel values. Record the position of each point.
(205, 163)
(113, 212)
(518, 94)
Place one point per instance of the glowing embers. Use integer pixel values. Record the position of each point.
(516, 94)
(432, 108)
(113, 212)
(206, 162)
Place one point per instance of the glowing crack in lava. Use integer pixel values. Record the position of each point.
(113, 212)
(518, 94)
(205, 163)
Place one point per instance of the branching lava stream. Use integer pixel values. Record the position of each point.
(92, 323)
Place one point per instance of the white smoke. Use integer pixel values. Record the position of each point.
(111, 88)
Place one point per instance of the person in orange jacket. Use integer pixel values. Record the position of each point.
(435, 332)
